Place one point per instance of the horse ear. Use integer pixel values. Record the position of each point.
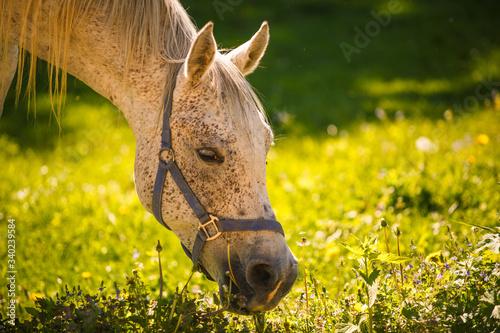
(247, 56)
(201, 54)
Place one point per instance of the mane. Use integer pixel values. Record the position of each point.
(157, 28)
(152, 28)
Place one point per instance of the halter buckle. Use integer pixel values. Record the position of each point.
(203, 227)
(172, 155)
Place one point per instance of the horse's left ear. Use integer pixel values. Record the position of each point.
(247, 56)
(201, 55)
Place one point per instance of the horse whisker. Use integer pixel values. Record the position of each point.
(231, 275)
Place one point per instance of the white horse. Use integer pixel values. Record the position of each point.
(129, 52)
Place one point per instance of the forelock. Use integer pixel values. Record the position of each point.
(236, 96)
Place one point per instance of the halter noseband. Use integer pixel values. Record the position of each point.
(210, 226)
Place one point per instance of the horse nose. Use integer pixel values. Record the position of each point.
(261, 275)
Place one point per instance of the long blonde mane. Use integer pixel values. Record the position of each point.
(158, 28)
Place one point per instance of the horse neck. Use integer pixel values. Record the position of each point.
(95, 54)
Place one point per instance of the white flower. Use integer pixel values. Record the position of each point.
(426, 145)
(135, 255)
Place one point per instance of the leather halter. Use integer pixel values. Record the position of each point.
(209, 226)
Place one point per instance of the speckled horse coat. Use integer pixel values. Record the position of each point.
(128, 52)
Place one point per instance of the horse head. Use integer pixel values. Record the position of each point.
(220, 137)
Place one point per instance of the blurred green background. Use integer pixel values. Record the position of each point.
(429, 57)
(406, 128)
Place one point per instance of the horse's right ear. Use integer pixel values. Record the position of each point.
(201, 54)
(247, 56)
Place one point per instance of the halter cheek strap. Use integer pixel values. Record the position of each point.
(209, 226)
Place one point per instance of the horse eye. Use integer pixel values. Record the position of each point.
(209, 155)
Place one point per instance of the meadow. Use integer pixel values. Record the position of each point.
(405, 133)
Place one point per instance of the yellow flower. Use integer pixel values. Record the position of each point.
(448, 115)
(482, 139)
(86, 275)
(332, 251)
(124, 210)
(360, 307)
(34, 296)
(496, 102)
(472, 159)
(434, 256)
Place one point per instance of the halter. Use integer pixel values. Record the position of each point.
(209, 226)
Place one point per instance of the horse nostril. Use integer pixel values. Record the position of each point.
(261, 275)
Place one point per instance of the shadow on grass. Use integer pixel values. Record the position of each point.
(38, 128)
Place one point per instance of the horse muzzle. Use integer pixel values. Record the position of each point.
(256, 280)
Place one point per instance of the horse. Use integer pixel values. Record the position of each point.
(201, 133)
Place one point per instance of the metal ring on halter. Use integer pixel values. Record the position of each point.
(203, 227)
(171, 151)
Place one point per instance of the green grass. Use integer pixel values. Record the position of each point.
(79, 221)
(79, 213)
